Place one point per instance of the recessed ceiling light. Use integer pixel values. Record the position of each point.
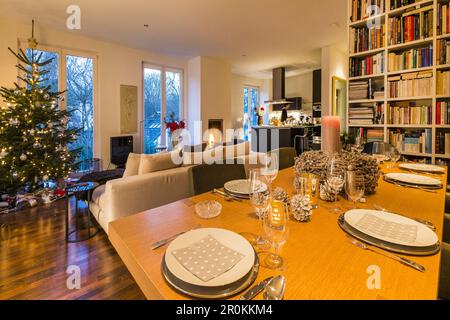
(146, 25)
(244, 55)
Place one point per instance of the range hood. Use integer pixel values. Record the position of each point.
(279, 82)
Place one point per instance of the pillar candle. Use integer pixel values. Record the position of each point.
(331, 132)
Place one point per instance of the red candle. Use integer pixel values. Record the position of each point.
(331, 134)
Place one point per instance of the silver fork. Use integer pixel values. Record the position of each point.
(422, 221)
(395, 257)
(410, 186)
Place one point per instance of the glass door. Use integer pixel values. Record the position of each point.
(251, 105)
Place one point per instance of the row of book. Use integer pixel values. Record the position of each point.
(442, 143)
(443, 18)
(362, 9)
(443, 51)
(405, 113)
(443, 82)
(367, 66)
(410, 59)
(411, 84)
(395, 4)
(411, 26)
(442, 112)
(369, 135)
(366, 114)
(359, 90)
(412, 141)
(364, 39)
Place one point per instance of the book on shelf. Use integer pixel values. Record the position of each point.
(366, 115)
(367, 66)
(443, 18)
(411, 59)
(395, 4)
(412, 25)
(369, 135)
(359, 90)
(363, 9)
(365, 39)
(443, 143)
(378, 94)
(411, 84)
(442, 113)
(443, 82)
(412, 141)
(408, 113)
(442, 52)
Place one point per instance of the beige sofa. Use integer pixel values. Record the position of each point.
(139, 192)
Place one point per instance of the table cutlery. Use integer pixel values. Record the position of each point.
(412, 186)
(255, 290)
(402, 260)
(160, 243)
(275, 289)
(226, 196)
(436, 175)
(422, 221)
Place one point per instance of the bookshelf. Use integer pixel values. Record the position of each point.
(415, 64)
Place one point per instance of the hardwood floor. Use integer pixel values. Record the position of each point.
(34, 258)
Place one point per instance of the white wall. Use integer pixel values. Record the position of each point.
(334, 63)
(301, 86)
(194, 99)
(116, 65)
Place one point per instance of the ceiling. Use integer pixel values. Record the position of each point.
(253, 35)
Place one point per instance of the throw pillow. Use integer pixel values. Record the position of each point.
(132, 166)
(158, 162)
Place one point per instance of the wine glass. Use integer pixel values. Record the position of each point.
(354, 186)
(260, 198)
(335, 181)
(277, 231)
(379, 151)
(270, 168)
(359, 145)
(394, 155)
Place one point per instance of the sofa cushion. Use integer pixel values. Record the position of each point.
(158, 162)
(97, 195)
(132, 166)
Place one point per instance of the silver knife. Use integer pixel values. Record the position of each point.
(253, 292)
(224, 194)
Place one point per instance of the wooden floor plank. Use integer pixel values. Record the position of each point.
(34, 258)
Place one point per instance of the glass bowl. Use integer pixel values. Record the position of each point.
(208, 209)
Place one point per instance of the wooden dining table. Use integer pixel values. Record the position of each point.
(321, 261)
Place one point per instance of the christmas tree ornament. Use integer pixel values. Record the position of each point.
(50, 125)
(45, 178)
(14, 122)
(37, 145)
(15, 175)
(23, 157)
(301, 208)
(3, 153)
(46, 96)
(32, 132)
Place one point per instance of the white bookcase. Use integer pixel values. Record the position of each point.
(432, 99)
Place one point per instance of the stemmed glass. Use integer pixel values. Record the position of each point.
(260, 198)
(335, 181)
(359, 145)
(270, 168)
(394, 155)
(354, 186)
(277, 231)
(379, 151)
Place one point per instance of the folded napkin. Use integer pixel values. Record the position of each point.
(208, 258)
(393, 230)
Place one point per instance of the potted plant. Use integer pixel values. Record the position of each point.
(173, 125)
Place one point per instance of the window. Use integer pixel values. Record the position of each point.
(250, 103)
(162, 102)
(73, 72)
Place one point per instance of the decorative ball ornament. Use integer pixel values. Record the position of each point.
(45, 178)
(15, 175)
(25, 139)
(3, 153)
(32, 131)
(301, 208)
(14, 122)
(23, 157)
(17, 92)
(50, 125)
(37, 145)
(46, 96)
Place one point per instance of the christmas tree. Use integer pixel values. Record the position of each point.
(34, 136)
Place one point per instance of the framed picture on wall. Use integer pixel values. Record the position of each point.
(128, 109)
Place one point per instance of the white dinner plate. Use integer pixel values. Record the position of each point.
(413, 179)
(423, 236)
(241, 187)
(229, 239)
(421, 167)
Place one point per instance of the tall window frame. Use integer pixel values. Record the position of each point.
(249, 116)
(62, 53)
(163, 70)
